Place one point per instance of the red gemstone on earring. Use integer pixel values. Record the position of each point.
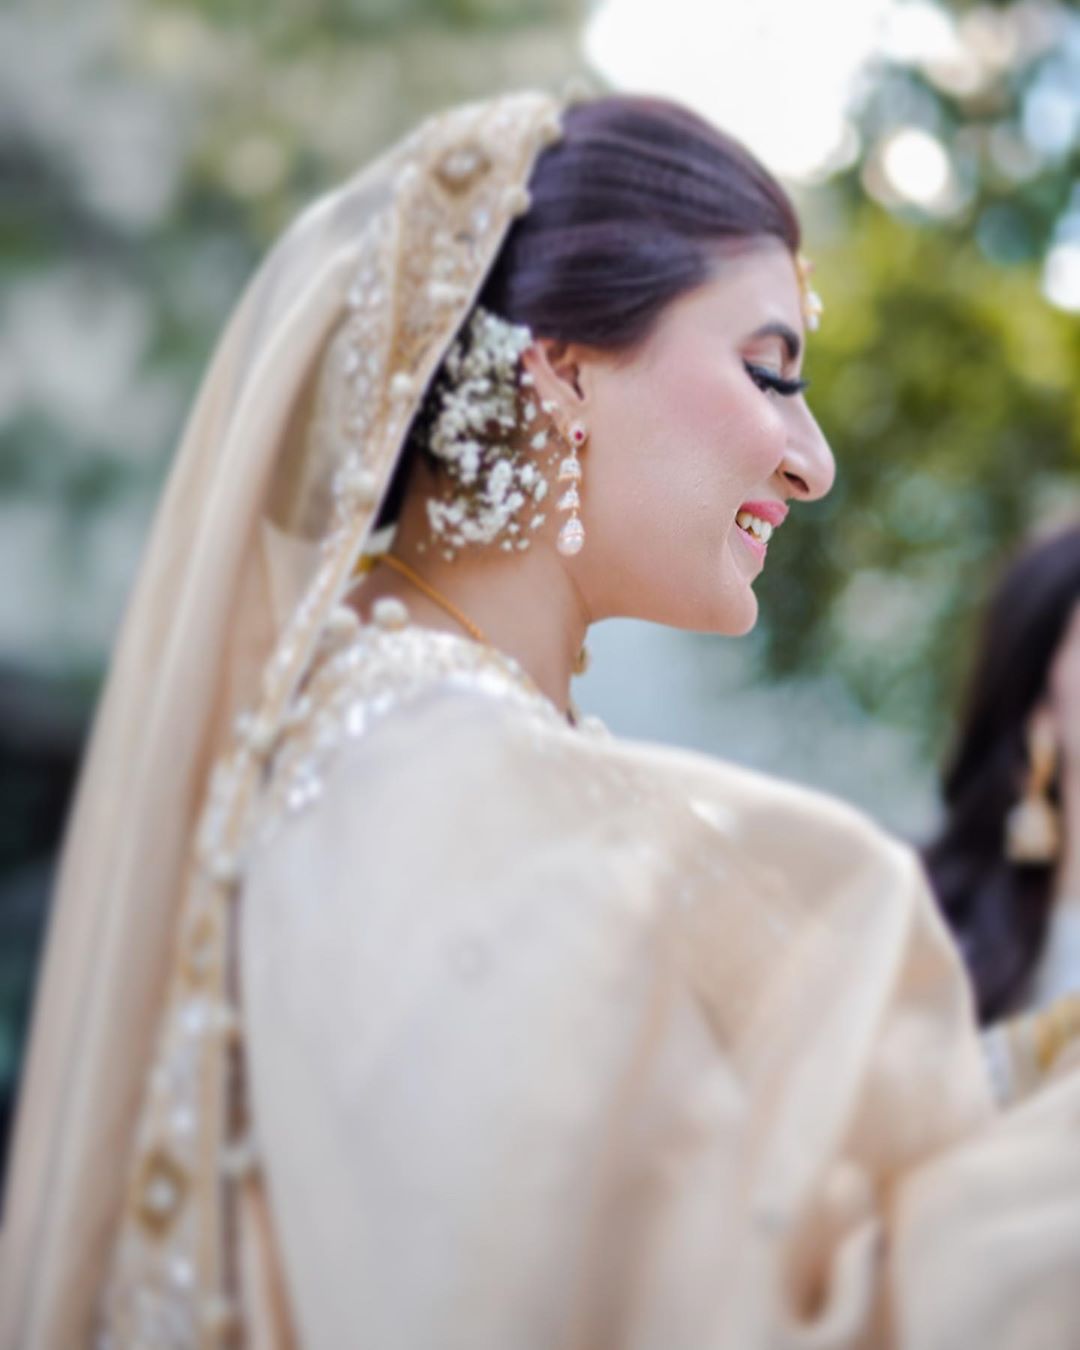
(577, 433)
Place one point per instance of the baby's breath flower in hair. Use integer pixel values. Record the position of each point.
(474, 414)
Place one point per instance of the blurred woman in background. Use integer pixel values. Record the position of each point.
(1006, 862)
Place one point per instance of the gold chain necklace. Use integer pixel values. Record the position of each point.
(474, 630)
(418, 581)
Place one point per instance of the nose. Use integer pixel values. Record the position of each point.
(808, 467)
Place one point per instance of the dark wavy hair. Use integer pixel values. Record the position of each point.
(629, 211)
(999, 909)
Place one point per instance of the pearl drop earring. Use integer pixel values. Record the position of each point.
(572, 535)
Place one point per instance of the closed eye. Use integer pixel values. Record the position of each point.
(769, 381)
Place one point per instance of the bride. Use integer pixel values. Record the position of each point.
(390, 1002)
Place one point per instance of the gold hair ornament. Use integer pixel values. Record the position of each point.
(812, 306)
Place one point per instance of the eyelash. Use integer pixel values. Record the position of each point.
(768, 381)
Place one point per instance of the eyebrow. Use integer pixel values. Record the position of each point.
(787, 336)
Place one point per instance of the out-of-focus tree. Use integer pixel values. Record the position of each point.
(148, 155)
(947, 388)
(969, 120)
(945, 369)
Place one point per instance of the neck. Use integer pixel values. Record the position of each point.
(525, 603)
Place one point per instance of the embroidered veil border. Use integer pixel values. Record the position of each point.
(130, 1141)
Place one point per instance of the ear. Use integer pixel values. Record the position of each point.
(557, 370)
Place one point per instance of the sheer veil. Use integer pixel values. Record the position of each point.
(287, 454)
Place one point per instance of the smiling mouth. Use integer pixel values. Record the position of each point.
(753, 546)
(758, 529)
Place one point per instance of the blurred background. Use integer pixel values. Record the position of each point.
(150, 152)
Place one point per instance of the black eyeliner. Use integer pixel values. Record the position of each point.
(767, 379)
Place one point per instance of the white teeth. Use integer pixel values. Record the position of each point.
(760, 529)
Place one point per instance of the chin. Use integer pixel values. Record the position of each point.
(742, 617)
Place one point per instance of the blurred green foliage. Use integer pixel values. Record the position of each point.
(946, 382)
(1002, 95)
(947, 387)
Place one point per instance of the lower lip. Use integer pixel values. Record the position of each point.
(756, 547)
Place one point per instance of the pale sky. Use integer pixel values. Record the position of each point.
(777, 74)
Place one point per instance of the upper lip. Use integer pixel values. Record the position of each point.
(774, 512)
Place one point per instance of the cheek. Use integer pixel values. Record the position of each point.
(693, 443)
(676, 452)
(751, 435)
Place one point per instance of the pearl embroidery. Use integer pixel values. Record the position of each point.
(381, 671)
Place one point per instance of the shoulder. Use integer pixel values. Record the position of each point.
(411, 719)
(756, 853)
(808, 814)
(398, 698)
(773, 819)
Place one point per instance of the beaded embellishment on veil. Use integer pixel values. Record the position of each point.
(419, 263)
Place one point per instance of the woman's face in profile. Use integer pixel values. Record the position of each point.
(685, 437)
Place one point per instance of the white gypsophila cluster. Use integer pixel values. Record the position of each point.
(476, 397)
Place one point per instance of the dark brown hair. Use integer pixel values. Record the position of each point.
(629, 210)
(999, 909)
